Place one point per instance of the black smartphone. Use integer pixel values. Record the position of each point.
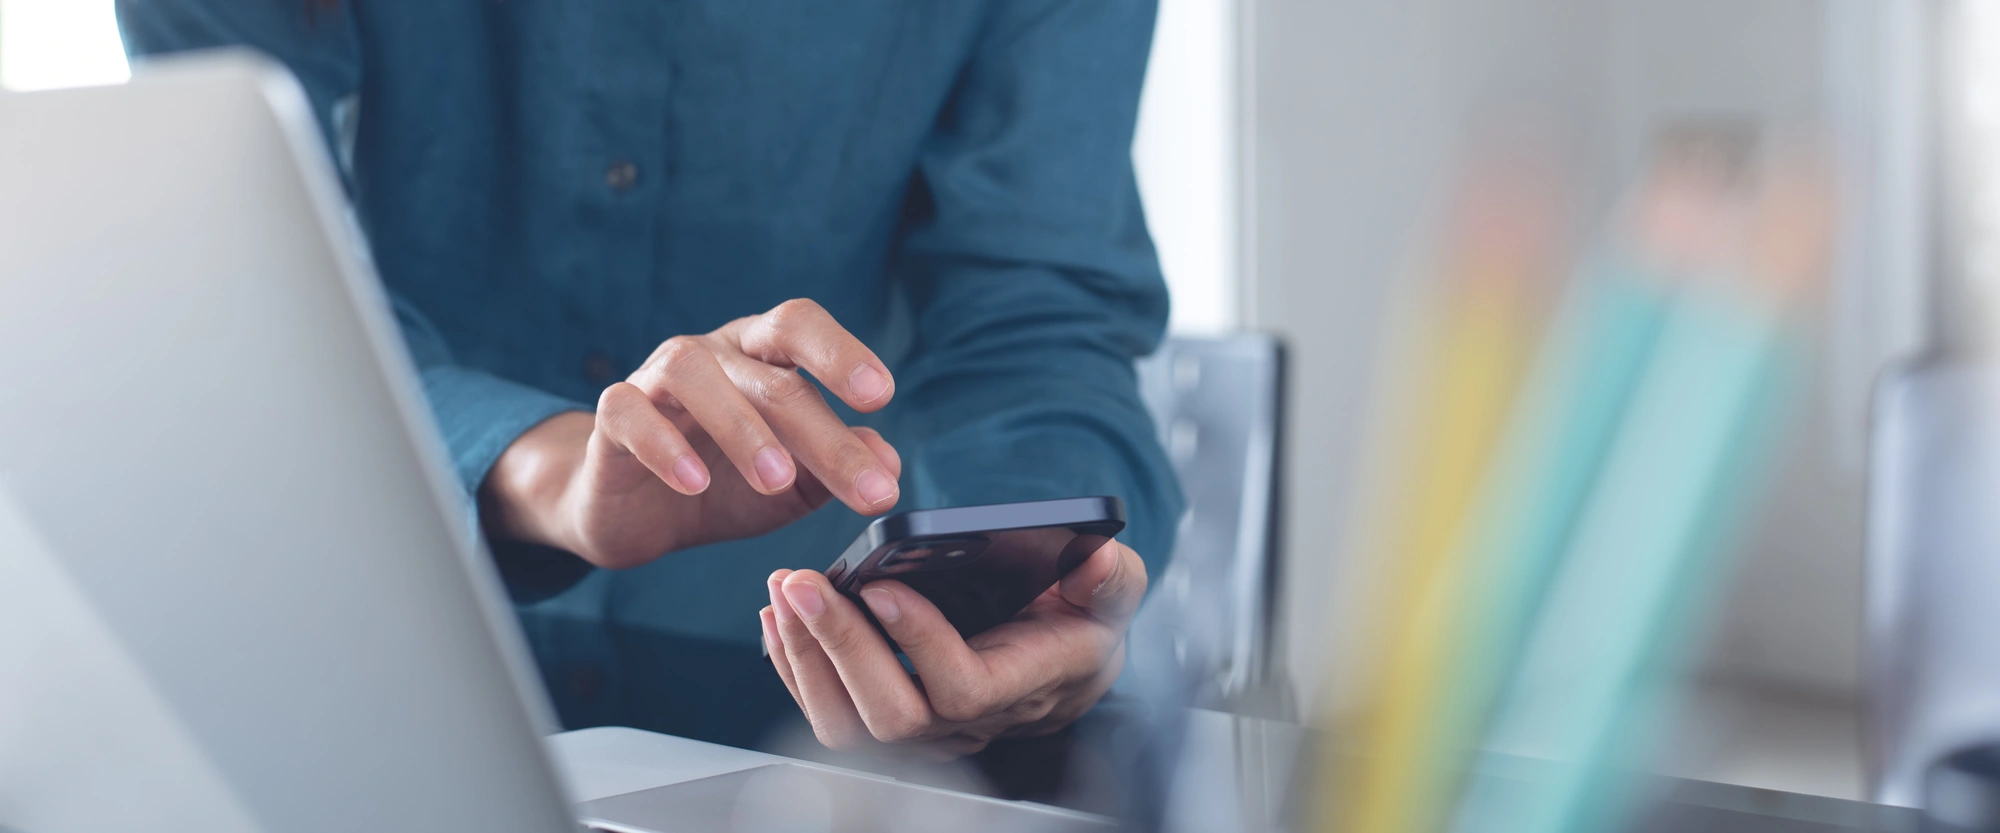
(979, 564)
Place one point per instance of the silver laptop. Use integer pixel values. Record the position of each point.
(239, 589)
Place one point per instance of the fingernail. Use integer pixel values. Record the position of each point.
(691, 474)
(882, 603)
(1117, 566)
(867, 384)
(805, 599)
(875, 487)
(779, 607)
(770, 636)
(774, 469)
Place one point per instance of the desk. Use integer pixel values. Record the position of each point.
(1237, 775)
(603, 762)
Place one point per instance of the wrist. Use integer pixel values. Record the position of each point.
(523, 496)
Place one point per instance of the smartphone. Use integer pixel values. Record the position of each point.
(979, 564)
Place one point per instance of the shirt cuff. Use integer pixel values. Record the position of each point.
(479, 415)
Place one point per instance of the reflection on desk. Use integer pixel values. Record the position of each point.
(1239, 773)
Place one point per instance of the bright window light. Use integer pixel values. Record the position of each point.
(1978, 174)
(1186, 159)
(46, 44)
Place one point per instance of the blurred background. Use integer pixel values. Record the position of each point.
(1303, 163)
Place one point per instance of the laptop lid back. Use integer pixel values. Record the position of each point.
(238, 587)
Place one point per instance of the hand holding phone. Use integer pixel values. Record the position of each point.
(980, 565)
(948, 695)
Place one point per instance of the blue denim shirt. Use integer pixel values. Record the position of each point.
(552, 188)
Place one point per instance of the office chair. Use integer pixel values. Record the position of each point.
(1933, 579)
(1217, 403)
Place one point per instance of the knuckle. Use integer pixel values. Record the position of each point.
(618, 408)
(837, 640)
(788, 389)
(616, 396)
(795, 312)
(741, 430)
(678, 352)
(1035, 709)
(797, 638)
(959, 711)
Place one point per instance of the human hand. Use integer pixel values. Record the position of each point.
(1032, 675)
(704, 443)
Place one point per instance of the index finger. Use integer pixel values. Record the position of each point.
(800, 333)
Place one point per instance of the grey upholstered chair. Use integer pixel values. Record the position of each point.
(1217, 403)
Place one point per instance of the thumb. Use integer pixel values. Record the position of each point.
(1110, 583)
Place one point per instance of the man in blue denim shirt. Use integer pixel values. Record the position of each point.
(562, 195)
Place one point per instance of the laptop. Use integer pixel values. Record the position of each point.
(239, 588)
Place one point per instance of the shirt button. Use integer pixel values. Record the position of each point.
(621, 175)
(597, 368)
(585, 681)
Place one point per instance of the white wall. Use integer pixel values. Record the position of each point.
(1186, 155)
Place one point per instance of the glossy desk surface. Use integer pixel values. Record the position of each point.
(1236, 775)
